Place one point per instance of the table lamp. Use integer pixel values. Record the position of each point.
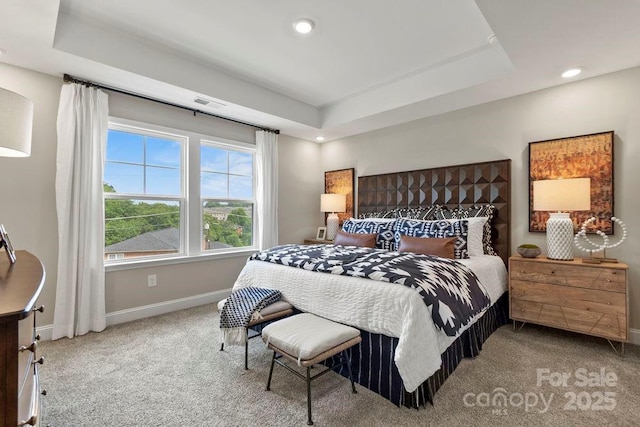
(16, 118)
(571, 194)
(333, 203)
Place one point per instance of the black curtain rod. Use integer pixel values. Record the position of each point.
(70, 79)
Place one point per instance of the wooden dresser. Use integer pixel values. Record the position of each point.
(589, 298)
(20, 286)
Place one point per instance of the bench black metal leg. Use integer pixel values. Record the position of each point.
(222, 347)
(273, 361)
(246, 354)
(309, 421)
(343, 359)
(348, 359)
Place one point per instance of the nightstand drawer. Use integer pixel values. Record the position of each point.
(584, 321)
(589, 300)
(580, 276)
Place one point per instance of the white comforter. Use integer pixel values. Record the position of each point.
(378, 307)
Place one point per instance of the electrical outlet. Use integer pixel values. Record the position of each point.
(152, 280)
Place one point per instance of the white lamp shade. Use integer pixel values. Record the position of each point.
(333, 202)
(16, 119)
(571, 194)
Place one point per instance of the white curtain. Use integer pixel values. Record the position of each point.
(82, 133)
(267, 188)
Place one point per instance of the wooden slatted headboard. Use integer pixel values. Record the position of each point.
(460, 186)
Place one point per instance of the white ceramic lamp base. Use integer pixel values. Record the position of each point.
(560, 236)
(333, 223)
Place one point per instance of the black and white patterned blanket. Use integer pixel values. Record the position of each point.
(240, 308)
(450, 289)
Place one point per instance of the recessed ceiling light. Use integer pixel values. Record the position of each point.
(319, 138)
(572, 72)
(303, 25)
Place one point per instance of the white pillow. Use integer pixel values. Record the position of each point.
(475, 233)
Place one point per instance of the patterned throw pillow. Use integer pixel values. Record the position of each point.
(438, 229)
(427, 213)
(382, 227)
(474, 211)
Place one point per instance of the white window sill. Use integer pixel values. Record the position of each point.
(179, 259)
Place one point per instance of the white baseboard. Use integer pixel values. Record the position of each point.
(151, 310)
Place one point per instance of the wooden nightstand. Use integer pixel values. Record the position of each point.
(317, 242)
(591, 299)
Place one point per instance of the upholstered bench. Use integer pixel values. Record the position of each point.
(271, 312)
(308, 339)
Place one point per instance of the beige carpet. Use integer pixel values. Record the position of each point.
(167, 371)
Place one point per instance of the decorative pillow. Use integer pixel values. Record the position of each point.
(475, 232)
(442, 247)
(383, 227)
(439, 229)
(355, 239)
(475, 239)
(474, 211)
(378, 214)
(426, 213)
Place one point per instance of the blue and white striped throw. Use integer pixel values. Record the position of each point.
(239, 309)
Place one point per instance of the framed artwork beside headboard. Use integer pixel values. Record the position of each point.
(341, 182)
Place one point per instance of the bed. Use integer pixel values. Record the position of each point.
(401, 357)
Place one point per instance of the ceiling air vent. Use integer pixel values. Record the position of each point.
(209, 102)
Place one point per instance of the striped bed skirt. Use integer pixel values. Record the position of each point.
(373, 366)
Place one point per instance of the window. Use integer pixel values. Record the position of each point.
(227, 189)
(150, 190)
(143, 191)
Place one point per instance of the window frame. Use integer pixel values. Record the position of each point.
(240, 147)
(191, 207)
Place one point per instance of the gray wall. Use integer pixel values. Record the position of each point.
(27, 198)
(29, 211)
(496, 130)
(503, 129)
(301, 181)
